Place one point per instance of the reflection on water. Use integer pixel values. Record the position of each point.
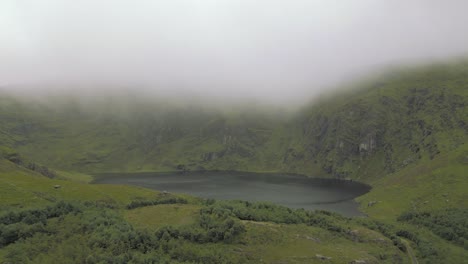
(294, 191)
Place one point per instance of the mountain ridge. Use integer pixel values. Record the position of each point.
(389, 123)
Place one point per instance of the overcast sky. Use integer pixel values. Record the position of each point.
(272, 49)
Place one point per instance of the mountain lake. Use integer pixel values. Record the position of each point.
(291, 190)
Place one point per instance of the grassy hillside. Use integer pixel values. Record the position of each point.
(404, 133)
(441, 183)
(390, 123)
(379, 127)
(103, 136)
(82, 223)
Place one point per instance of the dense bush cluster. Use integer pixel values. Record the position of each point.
(96, 234)
(24, 224)
(213, 226)
(263, 211)
(101, 235)
(387, 230)
(425, 248)
(91, 233)
(143, 203)
(38, 215)
(449, 224)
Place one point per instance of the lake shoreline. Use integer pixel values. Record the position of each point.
(287, 189)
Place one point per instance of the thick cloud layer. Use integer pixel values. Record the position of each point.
(271, 49)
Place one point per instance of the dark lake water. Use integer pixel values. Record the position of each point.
(290, 190)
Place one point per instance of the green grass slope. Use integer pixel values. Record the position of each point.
(83, 223)
(441, 183)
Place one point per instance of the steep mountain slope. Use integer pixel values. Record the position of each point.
(379, 127)
(147, 136)
(404, 118)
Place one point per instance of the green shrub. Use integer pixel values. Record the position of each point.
(449, 224)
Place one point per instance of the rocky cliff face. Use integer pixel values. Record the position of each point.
(407, 118)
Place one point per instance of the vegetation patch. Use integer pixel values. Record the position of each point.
(450, 224)
(23, 224)
(168, 200)
(153, 217)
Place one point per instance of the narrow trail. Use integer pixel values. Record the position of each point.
(410, 252)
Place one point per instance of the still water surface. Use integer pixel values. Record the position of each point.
(290, 190)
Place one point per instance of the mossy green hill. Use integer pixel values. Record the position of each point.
(380, 127)
(404, 133)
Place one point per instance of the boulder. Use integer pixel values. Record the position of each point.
(322, 257)
(358, 261)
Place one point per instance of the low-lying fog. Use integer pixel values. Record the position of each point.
(269, 50)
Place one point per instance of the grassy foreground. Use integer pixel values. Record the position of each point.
(82, 223)
(93, 224)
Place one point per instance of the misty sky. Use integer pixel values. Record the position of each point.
(272, 49)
